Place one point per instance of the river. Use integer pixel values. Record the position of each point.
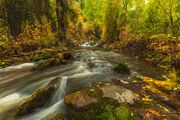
(89, 66)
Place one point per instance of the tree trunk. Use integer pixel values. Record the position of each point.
(49, 16)
(61, 12)
(172, 25)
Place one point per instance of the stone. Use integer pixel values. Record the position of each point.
(58, 117)
(45, 63)
(119, 93)
(38, 99)
(67, 56)
(80, 101)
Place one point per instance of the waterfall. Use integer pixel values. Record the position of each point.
(61, 90)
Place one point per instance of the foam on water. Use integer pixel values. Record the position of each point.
(16, 67)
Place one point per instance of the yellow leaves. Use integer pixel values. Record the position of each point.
(134, 81)
(166, 84)
(165, 109)
(147, 99)
(151, 111)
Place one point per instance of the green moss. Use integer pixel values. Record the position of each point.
(106, 116)
(122, 68)
(39, 57)
(4, 64)
(97, 93)
(59, 116)
(123, 113)
(106, 110)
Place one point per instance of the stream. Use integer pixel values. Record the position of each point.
(89, 66)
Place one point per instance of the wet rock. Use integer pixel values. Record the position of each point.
(100, 103)
(85, 98)
(80, 101)
(59, 58)
(58, 117)
(4, 64)
(45, 63)
(38, 57)
(122, 69)
(91, 65)
(38, 99)
(67, 56)
(119, 93)
(49, 52)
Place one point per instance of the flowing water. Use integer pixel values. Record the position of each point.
(90, 66)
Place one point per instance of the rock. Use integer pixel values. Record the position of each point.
(67, 56)
(45, 63)
(59, 58)
(100, 103)
(80, 101)
(4, 64)
(91, 65)
(65, 48)
(119, 93)
(49, 52)
(58, 117)
(122, 69)
(39, 57)
(38, 99)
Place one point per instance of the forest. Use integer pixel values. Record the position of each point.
(89, 59)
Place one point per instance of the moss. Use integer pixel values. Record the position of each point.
(59, 116)
(106, 110)
(123, 113)
(4, 64)
(97, 93)
(122, 68)
(39, 57)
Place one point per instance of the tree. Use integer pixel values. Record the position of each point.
(169, 7)
(61, 12)
(110, 21)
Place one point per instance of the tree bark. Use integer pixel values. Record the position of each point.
(49, 16)
(61, 13)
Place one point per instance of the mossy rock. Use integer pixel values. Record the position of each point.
(123, 113)
(59, 116)
(122, 69)
(38, 99)
(104, 109)
(39, 57)
(4, 64)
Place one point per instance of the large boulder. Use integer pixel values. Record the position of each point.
(119, 93)
(38, 99)
(80, 100)
(101, 102)
(89, 97)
